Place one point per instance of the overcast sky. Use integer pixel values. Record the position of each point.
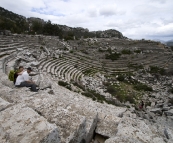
(149, 19)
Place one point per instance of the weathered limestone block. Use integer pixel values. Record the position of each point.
(168, 133)
(44, 81)
(108, 127)
(71, 126)
(17, 95)
(169, 112)
(4, 104)
(122, 139)
(90, 127)
(138, 130)
(22, 124)
(5, 81)
(92, 119)
(156, 110)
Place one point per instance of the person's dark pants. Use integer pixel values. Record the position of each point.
(26, 84)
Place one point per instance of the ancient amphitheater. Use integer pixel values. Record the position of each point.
(58, 115)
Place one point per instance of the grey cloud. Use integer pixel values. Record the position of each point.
(107, 12)
(135, 19)
(158, 1)
(92, 13)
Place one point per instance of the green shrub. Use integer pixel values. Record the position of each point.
(79, 85)
(95, 96)
(137, 51)
(109, 50)
(65, 84)
(62, 83)
(126, 52)
(100, 50)
(130, 99)
(88, 71)
(111, 89)
(135, 66)
(106, 84)
(143, 87)
(120, 97)
(87, 94)
(114, 56)
(120, 78)
(155, 69)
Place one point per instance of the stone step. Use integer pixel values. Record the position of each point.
(20, 123)
(4, 104)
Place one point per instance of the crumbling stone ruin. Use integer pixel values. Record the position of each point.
(59, 114)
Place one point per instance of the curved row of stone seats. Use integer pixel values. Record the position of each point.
(42, 62)
(9, 44)
(9, 63)
(152, 60)
(84, 60)
(74, 74)
(62, 72)
(80, 54)
(155, 60)
(68, 74)
(8, 52)
(79, 57)
(120, 67)
(121, 63)
(13, 48)
(6, 60)
(85, 64)
(52, 65)
(62, 68)
(57, 65)
(62, 75)
(46, 64)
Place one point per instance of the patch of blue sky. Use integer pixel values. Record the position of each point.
(44, 11)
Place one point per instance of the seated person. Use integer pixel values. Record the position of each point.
(23, 80)
(19, 72)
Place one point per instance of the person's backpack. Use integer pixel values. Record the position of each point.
(12, 75)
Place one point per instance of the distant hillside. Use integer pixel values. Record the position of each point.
(20, 24)
(11, 21)
(169, 43)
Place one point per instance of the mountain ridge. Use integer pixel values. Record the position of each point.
(32, 25)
